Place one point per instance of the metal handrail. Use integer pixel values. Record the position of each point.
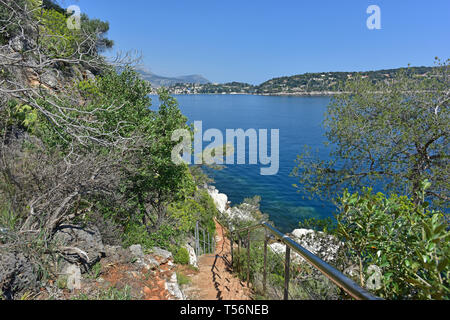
(347, 284)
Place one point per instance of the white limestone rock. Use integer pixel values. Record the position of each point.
(173, 288)
(192, 256)
(220, 199)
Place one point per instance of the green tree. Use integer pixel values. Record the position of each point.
(393, 134)
(408, 242)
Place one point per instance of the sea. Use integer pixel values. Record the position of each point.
(299, 121)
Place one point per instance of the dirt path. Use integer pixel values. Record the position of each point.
(215, 280)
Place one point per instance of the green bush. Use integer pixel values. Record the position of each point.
(181, 256)
(136, 233)
(402, 237)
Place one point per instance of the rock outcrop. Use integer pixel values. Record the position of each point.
(322, 245)
(220, 199)
(80, 246)
(16, 273)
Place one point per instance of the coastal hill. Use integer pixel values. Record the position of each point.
(324, 83)
(161, 81)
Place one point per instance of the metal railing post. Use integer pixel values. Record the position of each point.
(231, 249)
(248, 259)
(239, 254)
(266, 240)
(286, 273)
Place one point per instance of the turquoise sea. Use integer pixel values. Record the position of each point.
(299, 120)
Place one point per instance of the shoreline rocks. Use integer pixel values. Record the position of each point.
(242, 212)
(325, 246)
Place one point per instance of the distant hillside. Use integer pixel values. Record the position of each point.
(323, 83)
(161, 81)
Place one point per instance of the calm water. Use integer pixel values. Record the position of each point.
(299, 120)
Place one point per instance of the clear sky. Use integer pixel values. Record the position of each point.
(254, 41)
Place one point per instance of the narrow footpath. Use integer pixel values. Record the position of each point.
(215, 280)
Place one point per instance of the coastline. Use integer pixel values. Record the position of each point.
(281, 94)
(325, 246)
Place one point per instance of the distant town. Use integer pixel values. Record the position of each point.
(308, 84)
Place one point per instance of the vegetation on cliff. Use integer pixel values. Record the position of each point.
(80, 145)
(324, 83)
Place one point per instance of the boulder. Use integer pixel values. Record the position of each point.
(164, 254)
(192, 255)
(20, 44)
(50, 78)
(117, 254)
(325, 246)
(136, 251)
(16, 273)
(79, 245)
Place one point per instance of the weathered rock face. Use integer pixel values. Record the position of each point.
(323, 245)
(192, 256)
(79, 245)
(242, 213)
(16, 273)
(220, 199)
(20, 43)
(147, 261)
(50, 78)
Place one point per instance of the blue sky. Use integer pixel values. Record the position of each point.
(253, 41)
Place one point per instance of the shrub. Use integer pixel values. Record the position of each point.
(402, 237)
(182, 279)
(181, 256)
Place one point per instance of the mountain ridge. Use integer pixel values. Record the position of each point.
(163, 81)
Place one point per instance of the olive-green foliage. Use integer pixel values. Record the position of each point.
(95, 271)
(60, 41)
(181, 256)
(251, 206)
(409, 242)
(186, 214)
(240, 262)
(208, 212)
(392, 134)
